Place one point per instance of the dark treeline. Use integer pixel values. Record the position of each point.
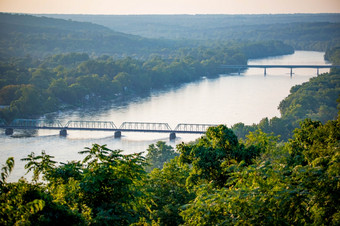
(318, 99)
(302, 31)
(22, 35)
(30, 87)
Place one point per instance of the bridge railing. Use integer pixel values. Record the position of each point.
(145, 126)
(39, 123)
(91, 124)
(193, 127)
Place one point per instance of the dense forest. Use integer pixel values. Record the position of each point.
(302, 31)
(31, 86)
(22, 35)
(216, 180)
(282, 171)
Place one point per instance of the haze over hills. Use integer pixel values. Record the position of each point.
(40, 36)
(97, 35)
(303, 31)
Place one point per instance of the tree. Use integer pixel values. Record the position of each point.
(31, 101)
(110, 185)
(8, 94)
(165, 193)
(303, 190)
(159, 154)
(212, 155)
(5, 171)
(39, 164)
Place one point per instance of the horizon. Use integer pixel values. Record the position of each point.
(169, 14)
(170, 7)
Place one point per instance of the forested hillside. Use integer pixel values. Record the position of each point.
(302, 31)
(317, 99)
(22, 35)
(284, 171)
(31, 86)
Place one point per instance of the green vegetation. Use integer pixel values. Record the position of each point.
(302, 31)
(277, 174)
(317, 99)
(30, 87)
(158, 154)
(22, 35)
(216, 180)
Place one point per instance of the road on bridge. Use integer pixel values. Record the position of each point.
(145, 127)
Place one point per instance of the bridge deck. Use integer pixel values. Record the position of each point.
(267, 66)
(279, 66)
(146, 127)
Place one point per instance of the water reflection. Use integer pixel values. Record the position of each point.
(246, 98)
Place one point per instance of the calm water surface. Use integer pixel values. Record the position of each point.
(228, 99)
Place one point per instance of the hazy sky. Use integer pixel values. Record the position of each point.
(170, 6)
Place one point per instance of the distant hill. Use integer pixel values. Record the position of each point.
(22, 35)
(303, 31)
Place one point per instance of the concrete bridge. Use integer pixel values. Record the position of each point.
(291, 67)
(145, 127)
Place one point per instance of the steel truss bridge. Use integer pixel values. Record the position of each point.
(291, 67)
(145, 127)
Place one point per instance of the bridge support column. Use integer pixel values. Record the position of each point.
(265, 71)
(317, 71)
(291, 72)
(63, 132)
(172, 136)
(239, 71)
(9, 131)
(118, 134)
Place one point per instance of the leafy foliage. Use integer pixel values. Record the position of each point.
(158, 154)
(166, 192)
(317, 99)
(217, 180)
(295, 190)
(30, 87)
(212, 155)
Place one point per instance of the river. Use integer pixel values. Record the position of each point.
(228, 99)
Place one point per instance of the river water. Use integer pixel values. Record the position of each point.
(228, 99)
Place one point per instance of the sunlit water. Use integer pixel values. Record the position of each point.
(228, 99)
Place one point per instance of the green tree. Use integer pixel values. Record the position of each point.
(5, 171)
(110, 185)
(211, 155)
(159, 154)
(39, 164)
(303, 190)
(8, 94)
(165, 193)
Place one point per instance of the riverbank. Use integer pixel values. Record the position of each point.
(247, 98)
(32, 87)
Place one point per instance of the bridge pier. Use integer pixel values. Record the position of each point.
(63, 132)
(118, 134)
(9, 131)
(265, 71)
(317, 71)
(291, 72)
(172, 136)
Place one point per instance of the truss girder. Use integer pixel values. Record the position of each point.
(91, 124)
(193, 127)
(145, 126)
(37, 123)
